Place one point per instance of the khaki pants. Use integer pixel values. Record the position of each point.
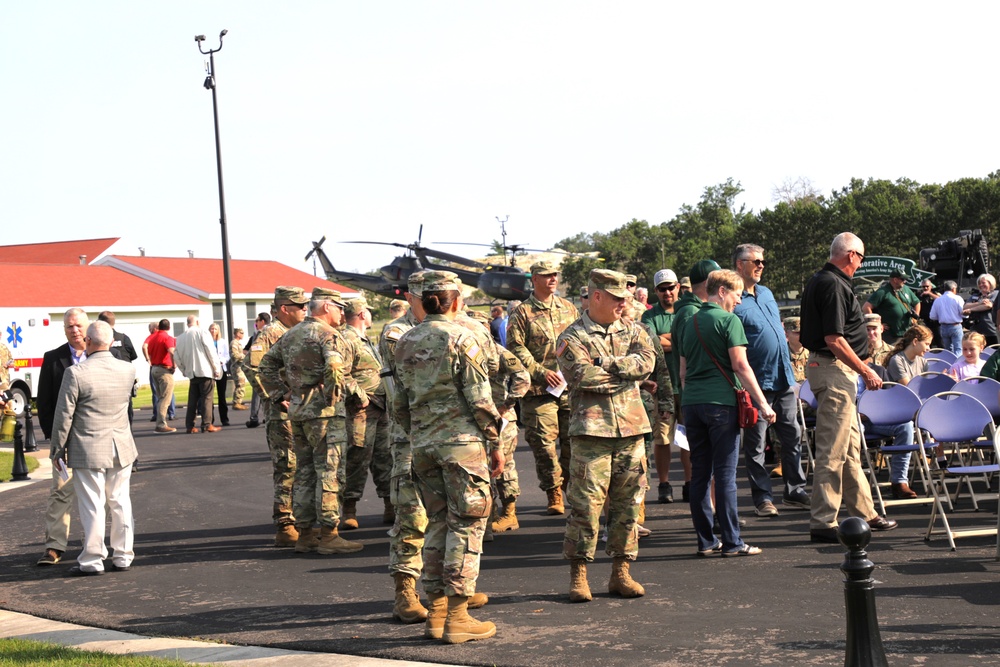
(62, 495)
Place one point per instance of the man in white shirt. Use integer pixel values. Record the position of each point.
(947, 310)
(197, 359)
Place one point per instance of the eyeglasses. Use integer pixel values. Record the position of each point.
(666, 288)
(756, 262)
(861, 258)
(86, 339)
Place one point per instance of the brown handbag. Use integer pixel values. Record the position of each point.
(746, 413)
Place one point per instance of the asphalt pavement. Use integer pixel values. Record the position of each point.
(205, 570)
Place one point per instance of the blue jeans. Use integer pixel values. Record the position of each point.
(713, 437)
(788, 431)
(951, 338)
(899, 462)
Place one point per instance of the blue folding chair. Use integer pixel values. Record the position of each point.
(942, 354)
(927, 384)
(892, 405)
(955, 418)
(986, 391)
(939, 365)
(988, 352)
(807, 426)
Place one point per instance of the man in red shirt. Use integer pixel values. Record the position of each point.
(161, 358)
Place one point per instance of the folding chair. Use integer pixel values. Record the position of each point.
(952, 417)
(942, 354)
(927, 384)
(892, 405)
(806, 425)
(939, 365)
(986, 391)
(988, 352)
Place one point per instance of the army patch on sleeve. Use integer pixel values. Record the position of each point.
(475, 354)
(563, 344)
(392, 334)
(256, 348)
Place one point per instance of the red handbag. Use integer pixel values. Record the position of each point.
(746, 413)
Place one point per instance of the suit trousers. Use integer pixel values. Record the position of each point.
(95, 488)
(57, 517)
(200, 401)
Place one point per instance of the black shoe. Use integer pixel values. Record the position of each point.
(686, 492)
(50, 557)
(825, 535)
(120, 568)
(666, 492)
(797, 499)
(253, 423)
(153, 418)
(225, 423)
(880, 523)
(75, 571)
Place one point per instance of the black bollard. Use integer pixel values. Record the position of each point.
(30, 444)
(19, 472)
(864, 641)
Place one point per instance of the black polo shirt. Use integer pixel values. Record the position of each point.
(829, 308)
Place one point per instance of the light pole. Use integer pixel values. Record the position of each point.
(210, 85)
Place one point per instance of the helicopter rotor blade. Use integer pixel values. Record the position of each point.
(448, 257)
(316, 246)
(398, 245)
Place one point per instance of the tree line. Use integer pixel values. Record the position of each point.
(896, 218)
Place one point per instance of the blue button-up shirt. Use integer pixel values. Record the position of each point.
(767, 349)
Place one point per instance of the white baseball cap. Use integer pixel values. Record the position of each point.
(664, 276)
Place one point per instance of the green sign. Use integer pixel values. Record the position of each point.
(876, 266)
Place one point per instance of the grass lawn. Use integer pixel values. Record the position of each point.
(6, 465)
(36, 654)
(144, 399)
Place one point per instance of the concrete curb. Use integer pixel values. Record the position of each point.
(22, 626)
(41, 474)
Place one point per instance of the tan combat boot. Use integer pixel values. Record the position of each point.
(437, 611)
(308, 540)
(459, 627)
(507, 520)
(579, 589)
(555, 501)
(286, 536)
(477, 600)
(407, 608)
(349, 515)
(389, 513)
(330, 542)
(621, 581)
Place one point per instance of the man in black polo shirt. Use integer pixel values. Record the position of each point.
(833, 327)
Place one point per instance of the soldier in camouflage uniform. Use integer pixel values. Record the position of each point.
(532, 330)
(236, 356)
(288, 310)
(878, 349)
(6, 363)
(442, 397)
(799, 356)
(603, 360)
(307, 369)
(368, 448)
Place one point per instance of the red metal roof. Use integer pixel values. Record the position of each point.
(204, 275)
(60, 286)
(56, 252)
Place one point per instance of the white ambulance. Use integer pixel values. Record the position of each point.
(28, 333)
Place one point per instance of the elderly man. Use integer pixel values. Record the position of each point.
(91, 434)
(198, 360)
(54, 365)
(947, 312)
(896, 303)
(833, 327)
(767, 354)
(531, 336)
(604, 359)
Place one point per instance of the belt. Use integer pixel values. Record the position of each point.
(169, 368)
(824, 353)
(950, 324)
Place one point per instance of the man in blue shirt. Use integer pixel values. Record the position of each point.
(767, 353)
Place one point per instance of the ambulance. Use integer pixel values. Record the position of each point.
(28, 333)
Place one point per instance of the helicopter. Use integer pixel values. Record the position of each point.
(392, 282)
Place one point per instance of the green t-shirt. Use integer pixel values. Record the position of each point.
(660, 321)
(895, 311)
(720, 331)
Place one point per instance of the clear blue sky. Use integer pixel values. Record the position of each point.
(363, 120)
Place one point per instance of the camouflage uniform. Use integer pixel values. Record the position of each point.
(663, 401)
(6, 359)
(442, 397)
(371, 444)
(236, 356)
(532, 330)
(313, 358)
(880, 353)
(603, 367)
(799, 360)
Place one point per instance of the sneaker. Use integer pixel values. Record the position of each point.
(604, 534)
(253, 423)
(665, 492)
(745, 550)
(797, 499)
(50, 557)
(766, 508)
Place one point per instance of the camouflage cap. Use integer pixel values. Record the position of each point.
(793, 324)
(630, 278)
(355, 306)
(327, 294)
(611, 282)
(873, 320)
(543, 268)
(415, 283)
(685, 282)
(479, 316)
(398, 303)
(441, 281)
(284, 294)
(585, 292)
(699, 272)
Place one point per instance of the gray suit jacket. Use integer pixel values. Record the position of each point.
(91, 419)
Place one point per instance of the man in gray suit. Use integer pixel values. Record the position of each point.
(91, 433)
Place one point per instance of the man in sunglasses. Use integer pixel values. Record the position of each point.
(767, 353)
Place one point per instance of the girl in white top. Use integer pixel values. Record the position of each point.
(970, 364)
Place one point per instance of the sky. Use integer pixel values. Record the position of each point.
(362, 121)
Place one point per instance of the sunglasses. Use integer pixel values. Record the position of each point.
(756, 262)
(666, 288)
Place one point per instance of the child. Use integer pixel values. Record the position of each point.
(970, 364)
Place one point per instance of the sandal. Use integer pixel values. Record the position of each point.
(716, 549)
(745, 550)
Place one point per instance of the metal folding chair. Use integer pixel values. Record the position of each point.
(942, 354)
(927, 384)
(955, 418)
(986, 391)
(939, 365)
(807, 426)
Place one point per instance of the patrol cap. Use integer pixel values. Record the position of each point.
(398, 303)
(543, 268)
(479, 316)
(793, 324)
(441, 281)
(630, 278)
(611, 282)
(585, 292)
(415, 283)
(686, 282)
(898, 273)
(873, 320)
(327, 294)
(664, 276)
(355, 306)
(699, 272)
(284, 294)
